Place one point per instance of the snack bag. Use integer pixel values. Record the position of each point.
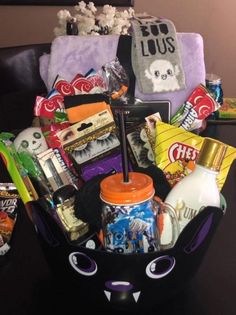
(9, 199)
(176, 151)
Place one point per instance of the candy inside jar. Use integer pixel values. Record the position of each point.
(128, 214)
(133, 220)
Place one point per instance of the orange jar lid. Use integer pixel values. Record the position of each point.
(115, 191)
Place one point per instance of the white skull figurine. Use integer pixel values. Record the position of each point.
(31, 140)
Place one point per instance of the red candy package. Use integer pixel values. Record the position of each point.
(195, 110)
(50, 133)
(63, 87)
(91, 83)
(45, 107)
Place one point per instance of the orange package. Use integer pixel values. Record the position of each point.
(81, 112)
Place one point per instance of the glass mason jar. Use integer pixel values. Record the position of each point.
(129, 216)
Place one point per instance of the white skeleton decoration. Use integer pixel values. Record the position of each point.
(31, 140)
(163, 75)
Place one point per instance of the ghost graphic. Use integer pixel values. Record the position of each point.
(163, 74)
(31, 140)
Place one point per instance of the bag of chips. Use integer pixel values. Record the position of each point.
(176, 151)
(9, 199)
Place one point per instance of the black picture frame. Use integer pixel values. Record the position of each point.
(116, 3)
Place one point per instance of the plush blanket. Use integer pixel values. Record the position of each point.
(78, 54)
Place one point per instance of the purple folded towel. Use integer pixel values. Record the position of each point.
(77, 54)
(71, 55)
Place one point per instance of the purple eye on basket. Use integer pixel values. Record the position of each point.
(160, 267)
(83, 264)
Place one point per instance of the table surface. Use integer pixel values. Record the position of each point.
(27, 286)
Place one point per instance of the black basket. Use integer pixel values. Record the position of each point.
(124, 281)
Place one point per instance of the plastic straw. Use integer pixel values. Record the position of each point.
(124, 154)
